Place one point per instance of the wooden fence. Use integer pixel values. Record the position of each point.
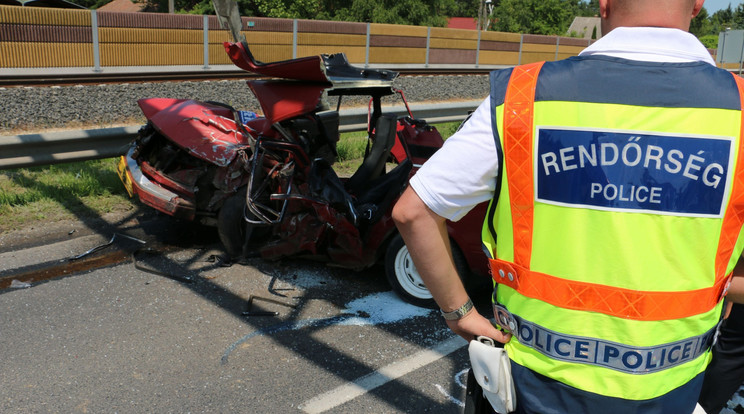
(33, 37)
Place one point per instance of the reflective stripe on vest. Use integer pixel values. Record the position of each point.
(608, 354)
(614, 301)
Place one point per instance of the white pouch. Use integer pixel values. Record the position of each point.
(492, 371)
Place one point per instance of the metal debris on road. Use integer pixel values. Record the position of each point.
(105, 245)
(221, 261)
(251, 312)
(273, 290)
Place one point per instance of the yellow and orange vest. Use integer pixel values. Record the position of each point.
(617, 223)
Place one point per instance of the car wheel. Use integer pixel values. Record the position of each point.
(234, 231)
(404, 278)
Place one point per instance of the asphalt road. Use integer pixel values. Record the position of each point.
(153, 322)
(134, 336)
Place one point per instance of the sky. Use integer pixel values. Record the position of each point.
(713, 6)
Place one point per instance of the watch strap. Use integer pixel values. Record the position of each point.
(459, 312)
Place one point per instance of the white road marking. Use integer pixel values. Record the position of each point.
(449, 396)
(458, 381)
(397, 369)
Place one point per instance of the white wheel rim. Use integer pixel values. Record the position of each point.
(407, 275)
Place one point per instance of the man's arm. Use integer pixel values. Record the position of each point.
(425, 234)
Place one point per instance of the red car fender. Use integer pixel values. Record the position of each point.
(467, 234)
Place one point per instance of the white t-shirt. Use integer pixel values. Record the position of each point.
(463, 173)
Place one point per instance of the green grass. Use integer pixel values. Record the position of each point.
(351, 145)
(92, 188)
(58, 192)
(447, 129)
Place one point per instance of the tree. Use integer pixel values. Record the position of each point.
(411, 12)
(464, 8)
(722, 19)
(737, 19)
(286, 9)
(701, 25)
(588, 8)
(547, 17)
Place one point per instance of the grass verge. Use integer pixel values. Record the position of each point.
(90, 189)
(60, 192)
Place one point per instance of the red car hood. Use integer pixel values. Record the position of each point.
(206, 131)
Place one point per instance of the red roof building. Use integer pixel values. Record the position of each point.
(123, 6)
(469, 23)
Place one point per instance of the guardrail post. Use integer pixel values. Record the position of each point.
(294, 39)
(206, 42)
(428, 41)
(96, 49)
(521, 42)
(477, 50)
(366, 48)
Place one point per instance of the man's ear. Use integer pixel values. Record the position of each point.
(697, 7)
(604, 7)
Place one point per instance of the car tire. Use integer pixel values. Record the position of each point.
(403, 277)
(233, 230)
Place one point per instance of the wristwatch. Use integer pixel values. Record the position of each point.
(459, 312)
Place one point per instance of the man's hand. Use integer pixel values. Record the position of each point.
(425, 234)
(474, 324)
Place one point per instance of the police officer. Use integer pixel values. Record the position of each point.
(617, 196)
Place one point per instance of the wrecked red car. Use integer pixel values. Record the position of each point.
(267, 182)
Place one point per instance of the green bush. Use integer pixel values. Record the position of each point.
(710, 41)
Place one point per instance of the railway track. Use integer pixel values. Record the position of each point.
(61, 79)
(102, 78)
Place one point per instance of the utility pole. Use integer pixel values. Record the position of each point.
(485, 8)
(480, 15)
(488, 10)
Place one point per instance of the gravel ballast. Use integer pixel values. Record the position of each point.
(105, 105)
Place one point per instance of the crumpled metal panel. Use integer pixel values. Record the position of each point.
(227, 181)
(282, 100)
(322, 231)
(206, 131)
(326, 68)
(154, 195)
(307, 68)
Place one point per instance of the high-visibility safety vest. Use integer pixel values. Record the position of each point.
(618, 216)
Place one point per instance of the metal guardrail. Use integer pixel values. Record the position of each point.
(68, 146)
